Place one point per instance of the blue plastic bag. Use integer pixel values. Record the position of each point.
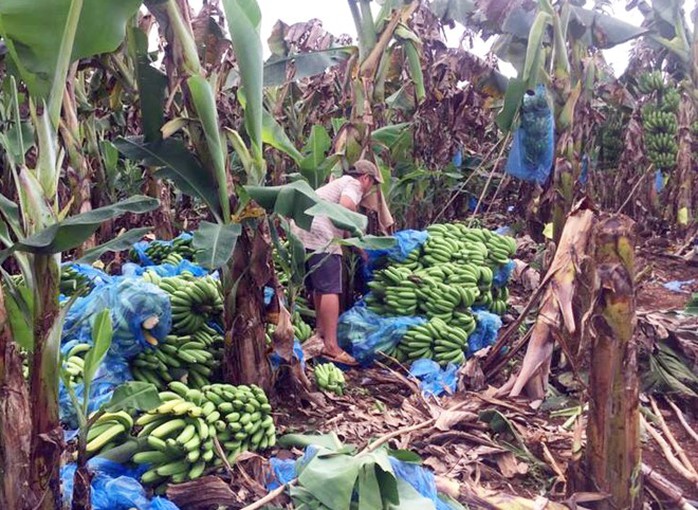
(502, 274)
(433, 379)
(94, 275)
(421, 479)
(405, 242)
(113, 372)
(658, 181)
(131, 270)
(130, 302)
(533, 147)
(485, 334)
(363, 332)
(276, 360)
(114, 487)
(283, 471)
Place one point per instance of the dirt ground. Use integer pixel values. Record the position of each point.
(527, 456)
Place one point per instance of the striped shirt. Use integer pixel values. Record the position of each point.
(322, 232)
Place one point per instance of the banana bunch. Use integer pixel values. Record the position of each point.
(161, 252)
(671, 100)
(657, 121)
(500, 296)
(195, 301)
(74, 362)
(329, 378)
(73, 282)
(108, 431)
(649, 82)
(194, 359)
(611, 140)
(535, 121)
(435, 340)
(243, 418)
(181, 432)
(301, 329)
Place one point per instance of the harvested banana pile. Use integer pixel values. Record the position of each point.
(195, 301)
(181, 433)
(193, 359)
(107, 432)
(301, 329)
(450, 275)
(74, 362)
(329, 378)
(435, 340)
(162, 252)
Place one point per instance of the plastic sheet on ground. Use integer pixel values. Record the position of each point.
(113, 372)
(130, 302)
(114, 487)
(434, 380)
(533, 147)
(421, 479)
(485, 334)
(363, 332)
(677, 286)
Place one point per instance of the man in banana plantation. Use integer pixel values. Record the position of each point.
(324, 266)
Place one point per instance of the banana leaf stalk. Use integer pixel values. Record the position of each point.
(613, 428)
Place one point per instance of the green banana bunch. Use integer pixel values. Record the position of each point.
(649, 82)
(108, 431)
(301, 329)
(612, 140)
(160, 252)
(74, 362)
(437, 340)
(329, 378)
(195, 359)
(181, 432)
(73, 282)
(195, 301)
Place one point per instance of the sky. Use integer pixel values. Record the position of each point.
(336, 19)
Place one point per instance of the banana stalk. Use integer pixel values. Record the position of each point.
(613, 428)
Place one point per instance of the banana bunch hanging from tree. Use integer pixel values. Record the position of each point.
(659, 120)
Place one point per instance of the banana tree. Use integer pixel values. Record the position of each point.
(238, 240)
(36, 229)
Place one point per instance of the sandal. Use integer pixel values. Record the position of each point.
(343, 358)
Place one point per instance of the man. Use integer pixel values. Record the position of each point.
(324, 267)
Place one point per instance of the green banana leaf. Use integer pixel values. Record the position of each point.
(33, 30)
(298, 201)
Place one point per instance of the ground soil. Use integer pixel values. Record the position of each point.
(381, 400)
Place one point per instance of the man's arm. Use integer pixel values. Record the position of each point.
(347, 202)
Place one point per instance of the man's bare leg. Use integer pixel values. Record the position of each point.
(317, 298)
(326, 317)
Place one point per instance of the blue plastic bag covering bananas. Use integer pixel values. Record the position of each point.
(533, 148)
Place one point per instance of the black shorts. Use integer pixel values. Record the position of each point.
(324, 273)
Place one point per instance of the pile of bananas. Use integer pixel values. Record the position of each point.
(650, 82)
(73, 282)
(452, 272)
(74, 362)
(193, 359)
(161, 252)
(329, 378)
(108, 431)
(195, 301)
(301, 329)
(180, 433)
(437, 340)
